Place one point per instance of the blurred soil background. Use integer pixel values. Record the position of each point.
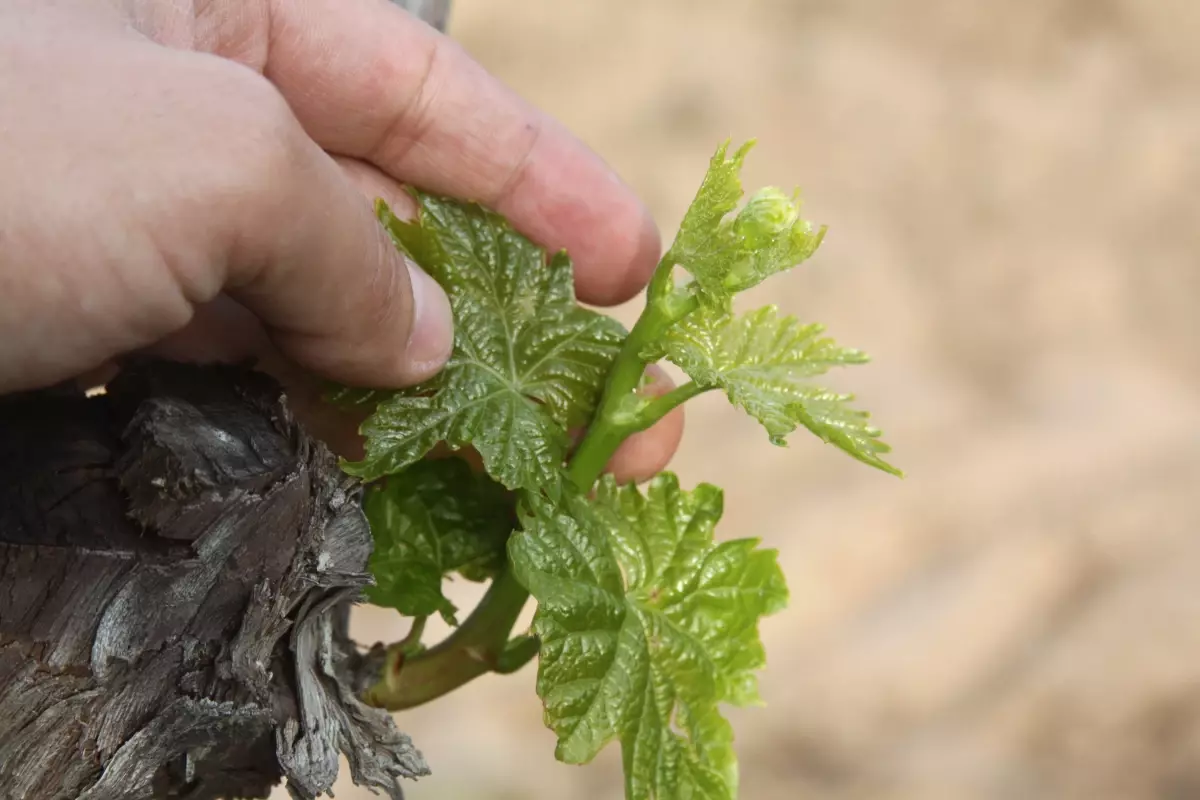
(1013, 195)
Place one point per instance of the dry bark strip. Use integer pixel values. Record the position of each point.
(177, 560)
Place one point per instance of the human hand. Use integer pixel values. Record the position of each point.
(195, 180)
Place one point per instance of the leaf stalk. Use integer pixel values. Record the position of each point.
(478, 646)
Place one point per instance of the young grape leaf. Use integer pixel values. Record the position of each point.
(351, 398)
(528, 361)
(435, 518)
(646, 625)
(761, 360)
(727, 254)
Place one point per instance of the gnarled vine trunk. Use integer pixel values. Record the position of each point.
(176, 562)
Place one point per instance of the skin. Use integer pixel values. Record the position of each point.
(194, 180)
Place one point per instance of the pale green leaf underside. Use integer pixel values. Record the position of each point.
(351, 398)
(763, 361)
(434, 518)
(646, 626)
(528, 361)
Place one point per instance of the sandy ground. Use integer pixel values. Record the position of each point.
(1013, 195)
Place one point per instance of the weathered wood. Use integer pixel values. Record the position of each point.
(176, 562)
(435, 12)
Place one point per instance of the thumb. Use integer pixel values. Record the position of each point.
(309, 258)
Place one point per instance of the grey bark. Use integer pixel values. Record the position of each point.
(435, 12)
(177, 559)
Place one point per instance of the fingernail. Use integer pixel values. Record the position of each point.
(432, 336)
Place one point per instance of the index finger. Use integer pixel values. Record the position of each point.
(368, 80)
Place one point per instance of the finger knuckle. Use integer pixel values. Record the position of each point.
(262, 146)
(271, 146)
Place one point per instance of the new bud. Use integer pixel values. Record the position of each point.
(768, 215)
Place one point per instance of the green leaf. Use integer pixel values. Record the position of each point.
(646, 625)
(762, 361)
(528, 361)
(435, 518)
(350, 398)
(729, 253)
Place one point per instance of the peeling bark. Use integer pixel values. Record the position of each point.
(177, 559)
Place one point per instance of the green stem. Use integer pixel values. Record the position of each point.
(478, 646)
(617, 417)
(662, 405)
(517, 653)
(412, 639)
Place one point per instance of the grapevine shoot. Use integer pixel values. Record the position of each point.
(646, 623)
